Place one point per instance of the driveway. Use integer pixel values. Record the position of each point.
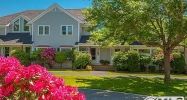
(95, 94)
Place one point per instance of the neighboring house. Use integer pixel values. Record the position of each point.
(59, 28)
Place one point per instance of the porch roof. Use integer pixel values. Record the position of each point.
(43, 46)
(16, 38)
(84, 39)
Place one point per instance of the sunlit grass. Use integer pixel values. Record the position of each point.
(145, 86)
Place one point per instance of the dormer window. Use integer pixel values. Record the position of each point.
(26, 28)
(16, 25)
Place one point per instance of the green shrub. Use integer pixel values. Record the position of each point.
(82, 60)
(60, 57)
(144, 59)
(71, 54)
(178, 63)
(133, 61)
(151, 68)
(35, 56)
(22, 56)
(120, 60)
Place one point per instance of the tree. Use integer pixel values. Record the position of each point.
(160, 23)
(60, 57)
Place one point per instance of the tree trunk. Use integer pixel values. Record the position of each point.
(167, 66)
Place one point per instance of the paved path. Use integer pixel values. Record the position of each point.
(95, 94)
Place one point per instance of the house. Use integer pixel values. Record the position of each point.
(59, 28)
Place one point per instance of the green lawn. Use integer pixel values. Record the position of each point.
(151, 87)
(144, 74)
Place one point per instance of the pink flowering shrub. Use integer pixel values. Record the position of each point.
(33, 82)
(48, 55)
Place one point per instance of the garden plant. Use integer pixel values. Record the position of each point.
(32, 83)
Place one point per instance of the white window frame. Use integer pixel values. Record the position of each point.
(43, 29)
(66, 30)
(19, 25)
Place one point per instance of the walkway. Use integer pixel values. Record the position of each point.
(94, 94)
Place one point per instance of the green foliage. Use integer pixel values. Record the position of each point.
(22, 56)
(158, 59)
(82, 60)
(161, 22)
(133, 61)
(178, 63)
(60, 57)
(120, 60)
(35, 55)
(104, 62)
(151, 68)
(71, 54)
(144, 59)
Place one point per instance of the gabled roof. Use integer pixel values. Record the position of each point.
(52, 7)
(18, 38)
(31, 14)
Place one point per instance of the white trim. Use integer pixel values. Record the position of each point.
(51, 8)
(18, 17)
(43, 29)
(5, 30)
(66, 30)
(32, 32)
(78, 32)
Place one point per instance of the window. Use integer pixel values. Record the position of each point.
(26, 28)
(83, 49)
(43, 30)
(16, 25)
(63, 30)
(66, 29)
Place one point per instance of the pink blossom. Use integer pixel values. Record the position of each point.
(34, 79)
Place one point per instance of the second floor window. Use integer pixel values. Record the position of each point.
(66, 30)
(26, 28)
(16, 25)
(43, 30)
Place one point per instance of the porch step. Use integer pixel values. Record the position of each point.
(103, 68)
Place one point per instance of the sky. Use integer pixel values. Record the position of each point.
(12, 6)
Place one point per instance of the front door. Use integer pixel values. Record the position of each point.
(7, 51)
(93, 54)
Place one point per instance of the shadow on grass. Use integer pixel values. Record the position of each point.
(151, 87)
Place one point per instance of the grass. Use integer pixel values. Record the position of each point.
(67, 71)
(144, 74)
(145, 86)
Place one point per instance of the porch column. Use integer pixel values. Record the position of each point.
(111, 55)
(150, 52)
(98, 55)
(77, 48)
(2, 51)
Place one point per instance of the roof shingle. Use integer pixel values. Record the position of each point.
(30, 14)
(16, 38)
